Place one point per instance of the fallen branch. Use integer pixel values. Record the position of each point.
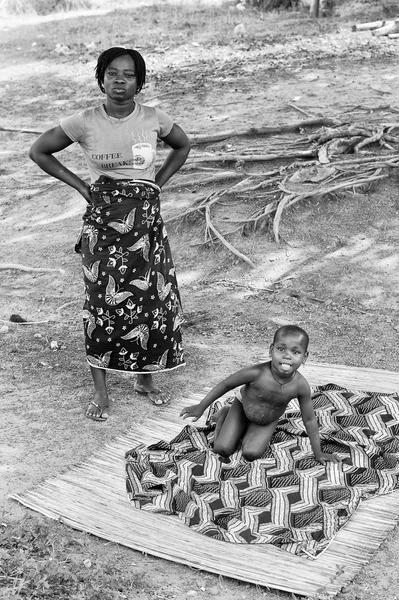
(224, 241)
(17, 267)
(301, 110)
(25, 322)
(223, 176)
(249, 157)
(293, 198)
(377, 137)
(20, 130)
(389, 27)
(342, 132)
(368, 26)
(197, 138)
(60, 308)
(387, 160)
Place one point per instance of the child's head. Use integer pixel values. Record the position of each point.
(289, 349)
(292, 330)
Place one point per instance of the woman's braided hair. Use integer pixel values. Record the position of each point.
(109, 55)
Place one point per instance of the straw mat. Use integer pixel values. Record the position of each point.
(92, 498)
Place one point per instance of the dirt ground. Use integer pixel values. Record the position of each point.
(336, 272)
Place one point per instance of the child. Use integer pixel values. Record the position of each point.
(266, 391)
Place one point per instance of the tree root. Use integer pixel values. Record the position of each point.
(18, 267)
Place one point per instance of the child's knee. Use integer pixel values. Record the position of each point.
(251, 454)
(220, 415)
(224, 450)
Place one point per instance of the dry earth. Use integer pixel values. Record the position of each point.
(336, 274)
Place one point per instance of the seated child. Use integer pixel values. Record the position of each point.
(265, 392)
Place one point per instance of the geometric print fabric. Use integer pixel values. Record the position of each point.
(285, 498)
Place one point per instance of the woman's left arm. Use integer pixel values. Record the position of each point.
(180, 145)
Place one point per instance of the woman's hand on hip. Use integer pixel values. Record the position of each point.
(85, 191)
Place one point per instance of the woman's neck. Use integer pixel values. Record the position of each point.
(119, 110)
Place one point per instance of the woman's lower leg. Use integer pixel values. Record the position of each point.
(100, 399)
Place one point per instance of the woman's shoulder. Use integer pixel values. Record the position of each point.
(79, 123)
(161, 120)
(154, 111)
(86, 113)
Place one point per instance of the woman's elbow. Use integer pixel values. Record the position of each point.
(33, 154)
(187, 148)
(36, 154)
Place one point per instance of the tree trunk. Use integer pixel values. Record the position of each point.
(314, 8)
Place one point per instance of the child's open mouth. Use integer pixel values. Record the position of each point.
(285, 366)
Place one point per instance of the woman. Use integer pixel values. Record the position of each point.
(132, 312)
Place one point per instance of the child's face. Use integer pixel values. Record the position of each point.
(288, 353)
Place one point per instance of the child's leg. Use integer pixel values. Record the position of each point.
(220, 418)
(231, 430)
(256, 439)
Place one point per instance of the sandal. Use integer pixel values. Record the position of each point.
(103, 416)
(157, 398)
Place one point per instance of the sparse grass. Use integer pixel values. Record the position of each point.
(169, 24)
(48, 561)
(41, 7)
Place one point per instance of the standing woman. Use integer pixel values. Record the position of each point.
(132, 311)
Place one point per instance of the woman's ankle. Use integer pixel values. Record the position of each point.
(101, 398)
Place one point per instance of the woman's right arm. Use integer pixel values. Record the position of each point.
(41, 152)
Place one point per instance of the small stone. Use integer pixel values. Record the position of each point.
(385, 583)
(191, 594)
(17, 319)
(38, 336)
(214, 591)
(4, 329)
(54, 345)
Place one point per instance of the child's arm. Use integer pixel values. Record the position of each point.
(311, 426)
(242, 377)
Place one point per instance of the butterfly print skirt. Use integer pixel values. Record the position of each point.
(132, 313)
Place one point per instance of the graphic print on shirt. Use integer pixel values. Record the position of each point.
(143, 152)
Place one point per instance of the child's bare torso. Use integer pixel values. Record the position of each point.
(265, 400)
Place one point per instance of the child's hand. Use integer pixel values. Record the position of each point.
(323, 458)
(194, 412)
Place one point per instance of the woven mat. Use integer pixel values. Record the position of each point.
(92, 497)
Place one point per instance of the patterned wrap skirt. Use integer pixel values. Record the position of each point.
(132, 312)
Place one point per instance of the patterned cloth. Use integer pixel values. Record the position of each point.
(132, 312)
(286, 497)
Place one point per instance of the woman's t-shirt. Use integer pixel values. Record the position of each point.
(119, 148)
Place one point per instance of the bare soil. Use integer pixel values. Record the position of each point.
(336, 272)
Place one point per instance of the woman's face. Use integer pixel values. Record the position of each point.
(120, 82)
